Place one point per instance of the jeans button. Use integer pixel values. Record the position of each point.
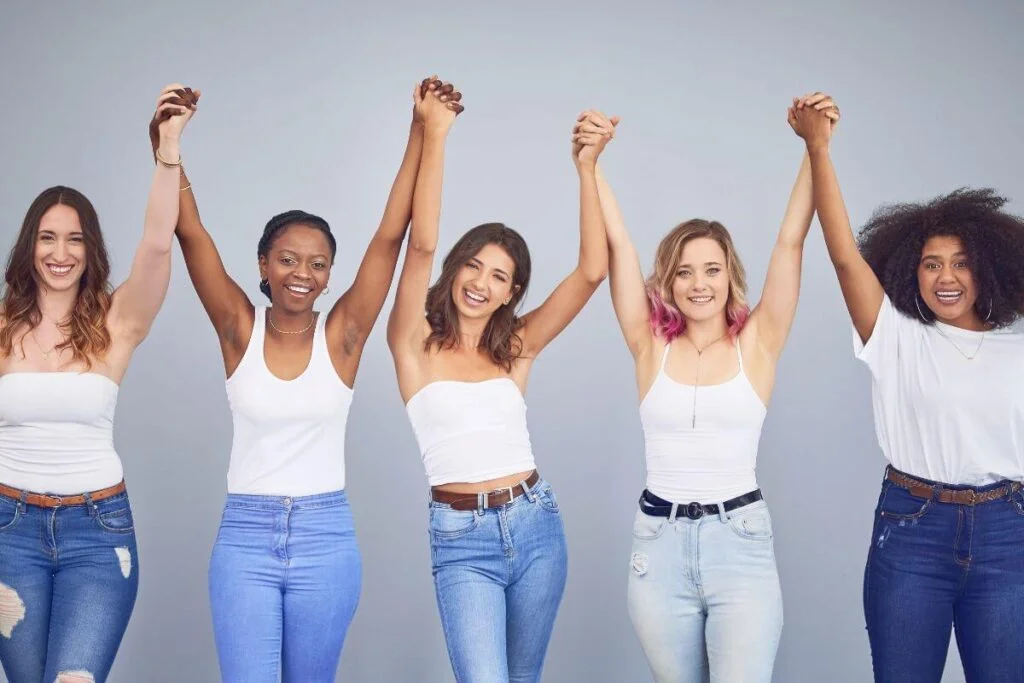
(287, 502)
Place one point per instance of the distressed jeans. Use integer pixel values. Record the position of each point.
(284, 582)
(499, 574)
(704, 596)
(934, 567)
(68, 581)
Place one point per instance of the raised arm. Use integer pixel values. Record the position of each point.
(227, 306)
(545, 322)
(625, 276)
(406, 323)
(356, 311)
(861, 289)
(137, 301)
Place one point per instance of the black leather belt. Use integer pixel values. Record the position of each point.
(654, 506)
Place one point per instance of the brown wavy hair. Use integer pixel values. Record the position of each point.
(86, 328)
(667, 321)
(501, 335)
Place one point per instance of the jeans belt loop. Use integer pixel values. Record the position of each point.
(672, 513)
(527, 492)
(723, 515)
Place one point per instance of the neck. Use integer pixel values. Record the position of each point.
(968, 321)
(701, 333)
(471, 332)
(56, 306)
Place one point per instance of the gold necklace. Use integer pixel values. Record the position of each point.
(46, 354)
(270, 316)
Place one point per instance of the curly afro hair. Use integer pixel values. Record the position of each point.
(892, 240)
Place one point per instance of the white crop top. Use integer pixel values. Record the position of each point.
(289, 435)
(57, 432)
(471, 431)
(701, 441)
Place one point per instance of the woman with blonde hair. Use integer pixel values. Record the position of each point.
(704, 591)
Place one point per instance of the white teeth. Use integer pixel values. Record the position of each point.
(948, 297)
(700, 299)
(59, 270)
(300, 290)
(475, 297)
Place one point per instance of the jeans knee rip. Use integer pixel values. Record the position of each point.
(75, 677)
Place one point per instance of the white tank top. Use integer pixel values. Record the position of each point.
(471, 431)
(701, 441)
(289, 435)
(57, 432)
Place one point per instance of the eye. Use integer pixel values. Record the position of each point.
(931, 265)
(77, 239)
(287, 260)
(319, 265)
(500, 277)
(714, 270)
(473, 266)
(682, 272)
(960, 264)
(46, 238)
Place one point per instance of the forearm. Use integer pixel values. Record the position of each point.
(426, 204)
(828, 201)
(398, 211)
(800, 209)
(162, 204)
(593, 262)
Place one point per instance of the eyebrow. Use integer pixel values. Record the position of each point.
(938, 257)
(295, 253)
(44, 231)
(706, 263)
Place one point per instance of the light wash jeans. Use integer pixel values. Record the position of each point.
(284, 577)
(704, 596)
(499, 575)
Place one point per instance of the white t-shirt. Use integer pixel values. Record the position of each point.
(938, 415)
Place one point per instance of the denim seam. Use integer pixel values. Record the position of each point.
(18, 514)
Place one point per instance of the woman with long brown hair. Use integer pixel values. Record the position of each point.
(497, 542)
(68, 564)
(703, 592)
(285, 573)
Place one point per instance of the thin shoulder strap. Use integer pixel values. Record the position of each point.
(739, 353)
(664, 355)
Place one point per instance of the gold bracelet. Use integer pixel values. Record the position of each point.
(165, 162)
(185, 188)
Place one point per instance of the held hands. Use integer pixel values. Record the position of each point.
(591, 133)
(174, 109)
(813, 117)
(436, 104)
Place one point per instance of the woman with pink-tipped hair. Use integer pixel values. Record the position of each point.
(704, 591)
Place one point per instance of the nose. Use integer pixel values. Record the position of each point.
(60, 250)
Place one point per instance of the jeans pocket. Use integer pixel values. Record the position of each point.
(10, 513)
(754, 524)
(546, 499)
(1017, 500)
(898, 505)
(448, 524)
(647, 527)
(117, 521)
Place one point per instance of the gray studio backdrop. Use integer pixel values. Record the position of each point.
(307, 105)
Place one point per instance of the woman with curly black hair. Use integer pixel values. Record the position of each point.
(932, 292)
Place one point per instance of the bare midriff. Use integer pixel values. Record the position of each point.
(485, 486)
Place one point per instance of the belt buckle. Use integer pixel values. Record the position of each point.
(694, 510)
(511, 495)
(58, 499)
(973, 497)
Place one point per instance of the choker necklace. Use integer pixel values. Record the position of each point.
(312, 319)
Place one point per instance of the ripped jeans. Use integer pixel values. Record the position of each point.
(936, 567)
(704, 596)
(68, 580)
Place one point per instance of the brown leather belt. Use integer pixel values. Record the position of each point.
(45, 500)
(921, 489)
(491, 499)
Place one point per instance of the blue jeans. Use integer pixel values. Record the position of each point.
(284, 577)
(68, 581)
(934, 566)
(499, 575)
(704, 596)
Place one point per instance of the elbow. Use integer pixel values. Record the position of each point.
(595, 275)
(424, 247)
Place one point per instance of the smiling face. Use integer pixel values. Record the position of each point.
(700, 288)
(483, 283)
(60, 255)
(946, 284)
(297, 267)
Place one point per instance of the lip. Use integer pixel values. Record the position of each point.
(948, 297)
(62, 269)
(467, 296)
(301, 291)
(701, 300)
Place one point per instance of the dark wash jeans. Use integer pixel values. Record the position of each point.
(934, 567)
